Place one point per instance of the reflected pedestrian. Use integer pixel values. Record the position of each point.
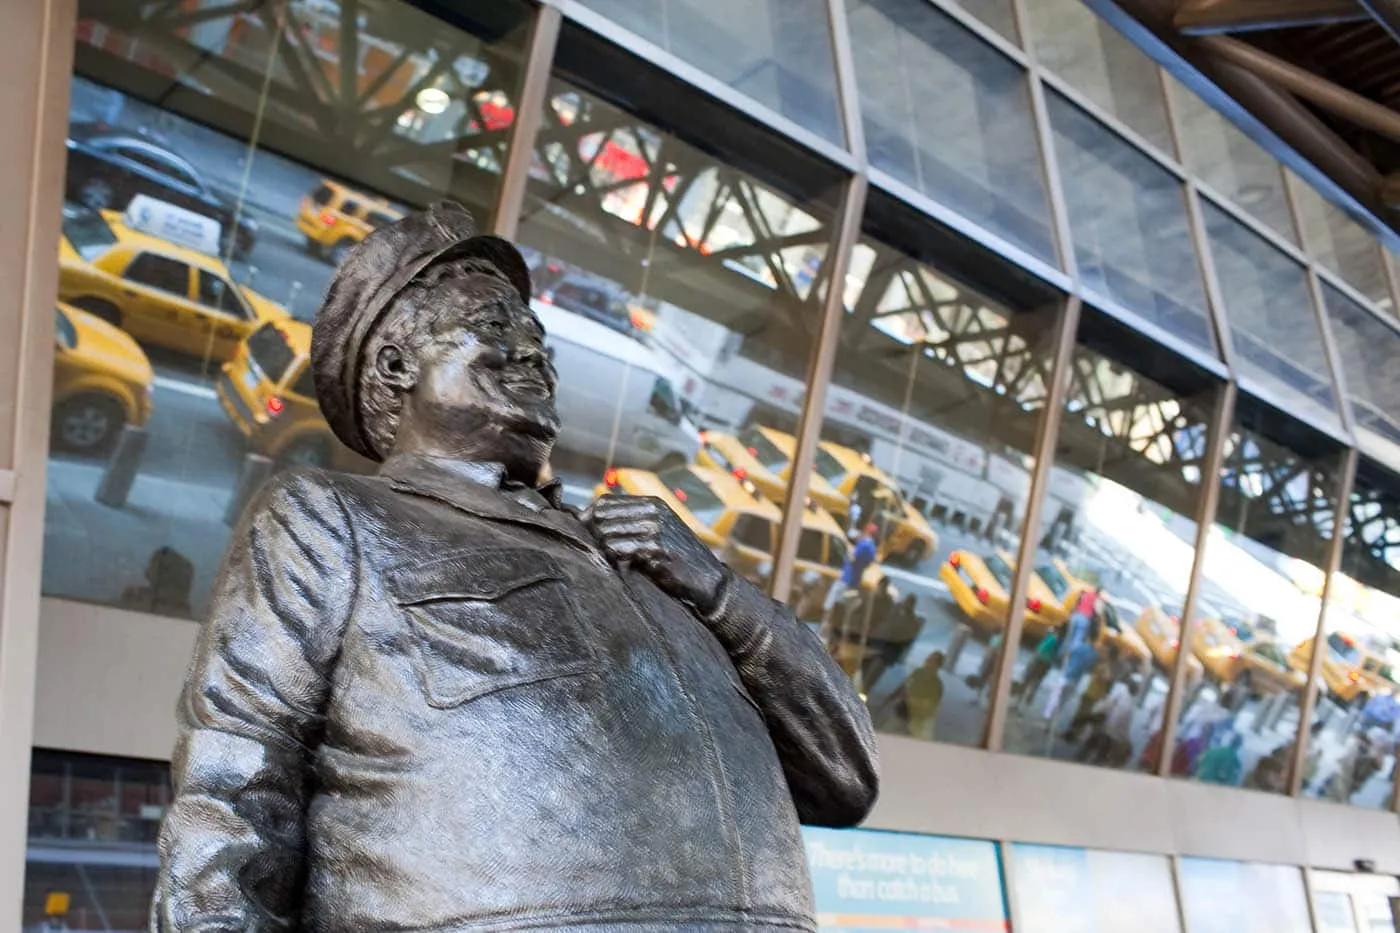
(1037, 667)
(169, 579)
(923, 695)
(1085, 612)
(1111, 742)
(1101, 678)
(1222, 764)
(892, 630)
(1077, 663)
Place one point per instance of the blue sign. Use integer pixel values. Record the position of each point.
(865, 880)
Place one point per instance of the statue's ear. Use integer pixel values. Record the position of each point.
(396, 369)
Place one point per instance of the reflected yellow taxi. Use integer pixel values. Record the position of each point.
(268, 393)
(333, 218)
(101, 382)
(763, 456)
(905, 534)
(161, 293)
(1160, 630)
(979, 585)
(1353, 673)
(1054, 592)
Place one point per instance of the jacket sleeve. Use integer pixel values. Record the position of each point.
(232, 845)
(818, 722)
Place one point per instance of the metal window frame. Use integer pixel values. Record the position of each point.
(529, 117)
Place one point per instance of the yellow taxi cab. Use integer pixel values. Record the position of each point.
(1160, 630)
(268, 393)
(101, 382)
(334, 218)
(742, 527)
(762, 456)
(905, 533)
(979, 585)
(1264, 668)
(1054, 592)
(1353, 673)
(159, 292)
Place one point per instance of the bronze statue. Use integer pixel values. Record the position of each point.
(435, 699)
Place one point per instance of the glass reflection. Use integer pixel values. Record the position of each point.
(1351, 753)
(1342, 245)
(924, 463)
(1128, 220)
(1367, 346)
(1273, 324)
(680, 296)
(1258, 606)
(949, 115)
(192, 261)
(776, 51)
(1101, 629)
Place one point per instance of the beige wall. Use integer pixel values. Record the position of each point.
(108, 682)
(36, 38)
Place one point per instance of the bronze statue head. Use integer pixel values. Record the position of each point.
(426, 342)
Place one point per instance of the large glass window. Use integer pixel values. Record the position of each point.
(949, 115)
(1341, 244)
(91, 858)
(1058, 889)
(1222, 156)
(1273, 324)
(1345, 902)
(1351, 755)
(1127, 217)
(1073, 42)
(1367, 348)
(681, 295)
(924, 464)
(1252, 639)
(1112, 563)
(1242, 897)
(192, 260)
(776, 51)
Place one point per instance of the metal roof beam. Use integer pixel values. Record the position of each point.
(1206, 17)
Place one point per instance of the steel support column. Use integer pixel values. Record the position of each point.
(529, 115)
(1334, 561)
(823, 360)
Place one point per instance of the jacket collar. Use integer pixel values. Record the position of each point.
(481, 489)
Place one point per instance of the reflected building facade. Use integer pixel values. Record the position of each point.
(1064, 413)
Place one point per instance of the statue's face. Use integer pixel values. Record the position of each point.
(484, 380)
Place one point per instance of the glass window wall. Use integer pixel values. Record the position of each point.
(1057, 889)
(1224, 158)
(1341, 244)
(776, 51)
(1071, 41)
(1128, 221)
(192, 261)
(1273, 324)
(1351, 753)
(949, 115)
(1252, 635)
(1116, 546)
(1367, 348)
(924, 464)
(1242, 897)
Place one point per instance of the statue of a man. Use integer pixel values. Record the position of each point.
(436, 699)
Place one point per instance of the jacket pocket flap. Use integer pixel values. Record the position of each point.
(486, 575)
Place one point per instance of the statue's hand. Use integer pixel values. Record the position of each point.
(644, 532)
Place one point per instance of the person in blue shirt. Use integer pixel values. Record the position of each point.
(862, 555)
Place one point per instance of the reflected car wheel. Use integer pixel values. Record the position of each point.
(87, 423)
(340, 250)
(96, 193)
(914, 554)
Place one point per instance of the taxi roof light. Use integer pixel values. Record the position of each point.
(954, 559)
(610, 477)
(275, 406)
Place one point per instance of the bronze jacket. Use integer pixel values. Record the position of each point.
(419, 704)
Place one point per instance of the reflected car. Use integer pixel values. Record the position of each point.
(1353, 674)
(101, 382)
(1264, 669)
(979, 585)
(694, 493)
(267, 391)
(1160, 630)
(333, 218)
(1052, 596)
(762, 456)
(593, 301)
(162, 294)
(907, 535)
(107, 168)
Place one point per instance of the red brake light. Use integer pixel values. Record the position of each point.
(740, 473)
(328, 218)
(275, 405)
(610, 477)
(1033, 604)
(753, 451)
(955, 559)
(983, 595)
(547, 297)
(680, 494)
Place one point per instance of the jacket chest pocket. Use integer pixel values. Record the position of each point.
(488, 621)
